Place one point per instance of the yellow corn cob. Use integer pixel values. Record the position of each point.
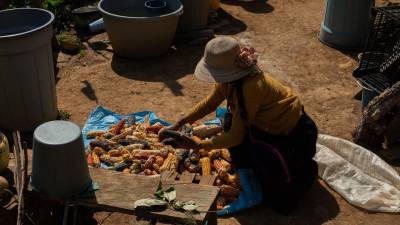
(170, 163)
(105, 157)
(203, 153)
(226, 164)
(225, 154)
(229, 191)
(99, 150)
(114, 153)
(205, 163)
(96, 160)
(127, 157)
(94, 133)
(213, 154)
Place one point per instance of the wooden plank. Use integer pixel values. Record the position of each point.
(118, 192)
(168, 177)
(186, 178)
(207, 180)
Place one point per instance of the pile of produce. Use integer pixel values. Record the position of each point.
(137, 148)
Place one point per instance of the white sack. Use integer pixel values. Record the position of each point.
(358, 175)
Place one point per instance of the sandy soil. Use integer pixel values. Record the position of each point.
(285, 32)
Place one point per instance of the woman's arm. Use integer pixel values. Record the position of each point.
(253, 94)
(205, 106)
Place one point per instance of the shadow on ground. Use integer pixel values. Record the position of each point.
(159, 69)
(224, 23)
(317, 207)
(258, 6)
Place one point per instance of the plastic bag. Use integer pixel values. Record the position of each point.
(358, 175)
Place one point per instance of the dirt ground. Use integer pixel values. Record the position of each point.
(285, 33)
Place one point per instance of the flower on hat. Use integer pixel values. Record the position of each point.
(247, 57)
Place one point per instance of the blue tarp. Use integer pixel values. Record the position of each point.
(251, 195)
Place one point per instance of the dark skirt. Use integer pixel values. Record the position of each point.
(283, 164)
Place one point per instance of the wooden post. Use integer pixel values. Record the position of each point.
(20, 174)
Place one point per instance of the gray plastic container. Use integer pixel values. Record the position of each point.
(137, 32)
(195, 15)
(346, 23)
(27, 84)
(59, 167)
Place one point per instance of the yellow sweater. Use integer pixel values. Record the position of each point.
(270, 106)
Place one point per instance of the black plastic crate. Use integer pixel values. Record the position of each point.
(379, 63)
(384, 32)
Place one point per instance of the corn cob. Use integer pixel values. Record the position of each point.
(89, 160)
(114, 153)
(94, 133)
(205, 163)
(96, 160)
(203, 153)
(108, 135)
(194, 157)
(229, 191)
(229, 178)
(127, 157)
(225, 154)
(149, 162)
(105, 157)
(218, 166)
(156, 167)
(99, 150)
(226, 164)
(139, 135)
(214, 154)
(117, 128)
(159, 160)
(170, 163)
(205, 131)
(122, 135)
(144, 154)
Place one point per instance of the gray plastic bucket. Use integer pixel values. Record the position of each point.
(346, 23)
(27, 85)
(59, 167)
(137, 32)
(195, 15)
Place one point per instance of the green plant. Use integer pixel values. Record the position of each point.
(63, 115)
(62, 10)
(82, 53)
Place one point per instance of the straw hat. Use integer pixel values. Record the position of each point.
(219, 63)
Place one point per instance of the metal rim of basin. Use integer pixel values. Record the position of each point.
(50, 21)
(178, 12)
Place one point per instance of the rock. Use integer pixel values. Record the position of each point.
(69, 42)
